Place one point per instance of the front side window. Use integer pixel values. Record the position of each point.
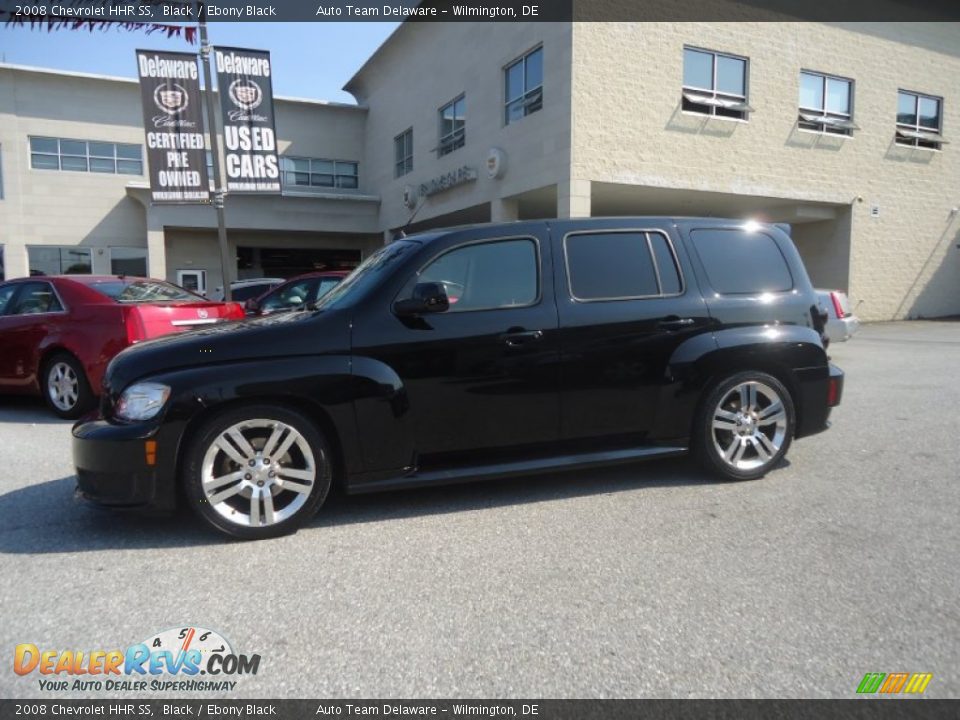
(403, 153)
(620, 266)
(523, 86)
(318, 173)
(826, 104)
(53, 260)
(488, 276)
(36, 298)
(919, 120)
(6, 292)
(726, 254)
(85, 156)
(453, 126)
(715, 84)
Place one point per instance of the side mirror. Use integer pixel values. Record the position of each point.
(251, 305)
(429, 297)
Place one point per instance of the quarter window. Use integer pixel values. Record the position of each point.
(488, 276)
(403, 153)
(319, 173)
(523, 86)
(54, 260)
(919, 120)
(453, 126)
(620, 266)
(715, 84)
(826, 104)
(85, 156)
(740, 262)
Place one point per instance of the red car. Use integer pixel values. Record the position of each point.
(296, 291)
(58, 333)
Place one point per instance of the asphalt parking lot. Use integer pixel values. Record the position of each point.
(648, 581)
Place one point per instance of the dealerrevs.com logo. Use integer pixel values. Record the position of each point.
(179, 659)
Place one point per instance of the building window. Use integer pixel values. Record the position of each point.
(453, 126)
(319, 174)
(56, 260)
(128, 261)
(919, 120)
(523, 86)
(715, 84)
(826, 104)
(85, 156)
(403, 152)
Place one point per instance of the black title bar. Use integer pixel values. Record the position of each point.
(186, 11)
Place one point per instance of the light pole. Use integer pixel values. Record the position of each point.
(219, 191)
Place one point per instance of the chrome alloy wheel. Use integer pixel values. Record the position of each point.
(258, 472)
(749, 425)
(63, 386)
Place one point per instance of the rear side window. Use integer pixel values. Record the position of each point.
(620, 265)
(487, 276)
(35, 298)
(740, 262)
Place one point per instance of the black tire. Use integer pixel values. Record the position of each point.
(717, 448)
(244, 514)
(65, 387)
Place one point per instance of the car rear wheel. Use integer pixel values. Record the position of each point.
(258, 471)
(65, 386)
(744, 426)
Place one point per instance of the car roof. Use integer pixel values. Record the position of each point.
(428, 236)
(84, 279)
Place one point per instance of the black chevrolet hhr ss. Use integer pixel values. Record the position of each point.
(473, 353)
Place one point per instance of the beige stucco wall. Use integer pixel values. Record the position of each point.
(425, 65)
(628, 128)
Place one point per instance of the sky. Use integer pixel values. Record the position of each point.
(310, 60)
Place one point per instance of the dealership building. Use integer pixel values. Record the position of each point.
(849, 132)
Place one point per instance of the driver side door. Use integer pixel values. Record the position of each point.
(482, 378)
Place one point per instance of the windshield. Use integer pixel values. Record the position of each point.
(367, 274)
(142, 291)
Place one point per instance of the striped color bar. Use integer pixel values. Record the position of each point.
(893, 683)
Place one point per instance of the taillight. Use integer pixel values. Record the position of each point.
(236, 311)
(836, 305)
(134, 324)
(833, 391)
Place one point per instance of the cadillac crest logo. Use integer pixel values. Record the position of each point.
(245, 93)
(171, 98)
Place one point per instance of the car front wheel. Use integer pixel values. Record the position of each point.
(258, 471)
(745, 426)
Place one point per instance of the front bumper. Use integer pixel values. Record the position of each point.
(116, 468)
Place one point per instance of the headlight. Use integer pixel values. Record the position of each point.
(142, 401)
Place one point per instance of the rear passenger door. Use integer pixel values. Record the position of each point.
(626, 301)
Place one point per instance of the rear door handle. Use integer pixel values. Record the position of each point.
(675, 323)
(515, 338)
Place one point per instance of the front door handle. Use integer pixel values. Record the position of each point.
(675, 323)
(516, 338)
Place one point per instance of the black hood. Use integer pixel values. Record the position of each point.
(283, 335)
